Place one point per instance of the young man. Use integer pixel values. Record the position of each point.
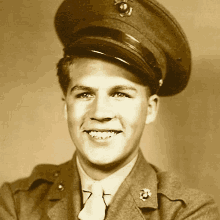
(120, 56)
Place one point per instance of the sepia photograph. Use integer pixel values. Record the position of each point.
(110, 109)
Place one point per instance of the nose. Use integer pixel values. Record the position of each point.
(101, 109)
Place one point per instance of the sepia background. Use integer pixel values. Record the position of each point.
(185, 137)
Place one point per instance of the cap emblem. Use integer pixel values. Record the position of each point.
(123, 7)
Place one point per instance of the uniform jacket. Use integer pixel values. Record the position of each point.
(53, 192)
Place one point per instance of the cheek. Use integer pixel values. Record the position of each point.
(134, 113)
(76, 113)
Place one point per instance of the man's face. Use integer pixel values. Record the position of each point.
(106, 111)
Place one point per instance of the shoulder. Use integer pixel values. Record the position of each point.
(41, 174)
(22, 196)
(169, 197)
(36, 186)
(184, 201)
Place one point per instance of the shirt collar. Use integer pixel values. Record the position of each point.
(110, 184)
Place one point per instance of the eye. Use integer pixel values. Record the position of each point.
(120, 95)
(84, 95)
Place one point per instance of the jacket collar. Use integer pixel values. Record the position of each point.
(125, 204)
(65, 190)
(143, 177)
(127, 201)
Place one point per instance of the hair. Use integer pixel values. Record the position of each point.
(63, 73)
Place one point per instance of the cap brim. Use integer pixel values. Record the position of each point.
(112, 50)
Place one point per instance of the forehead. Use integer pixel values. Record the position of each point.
(98, 71)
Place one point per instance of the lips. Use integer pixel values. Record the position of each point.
(102, 134)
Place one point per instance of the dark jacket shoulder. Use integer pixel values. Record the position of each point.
(185, 202)
(27, 198)
(171, 186)
(42, 173)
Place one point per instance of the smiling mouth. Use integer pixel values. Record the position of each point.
(101, 135)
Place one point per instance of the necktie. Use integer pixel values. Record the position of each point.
(94, 208)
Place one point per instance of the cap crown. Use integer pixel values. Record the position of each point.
(148, 23)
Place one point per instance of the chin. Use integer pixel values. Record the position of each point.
(107, 164)
(101, 162)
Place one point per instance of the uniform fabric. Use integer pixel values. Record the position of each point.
(54, 192)
(149, 39)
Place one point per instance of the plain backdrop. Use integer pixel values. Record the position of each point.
(185, 137)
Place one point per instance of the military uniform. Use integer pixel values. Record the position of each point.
(54, 192)
(145, 38)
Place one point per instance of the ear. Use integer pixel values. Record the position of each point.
(153, 106)
(65, 111)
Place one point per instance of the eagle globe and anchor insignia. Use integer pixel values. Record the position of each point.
(144, 194)
(124, 7)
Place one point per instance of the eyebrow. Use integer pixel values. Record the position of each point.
(123, 87)
(118, 87)
(75, 88)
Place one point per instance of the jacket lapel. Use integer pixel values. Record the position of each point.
(127, 203)
(64, 198)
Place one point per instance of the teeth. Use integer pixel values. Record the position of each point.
(102, 135)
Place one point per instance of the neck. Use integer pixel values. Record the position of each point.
(99, 172)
